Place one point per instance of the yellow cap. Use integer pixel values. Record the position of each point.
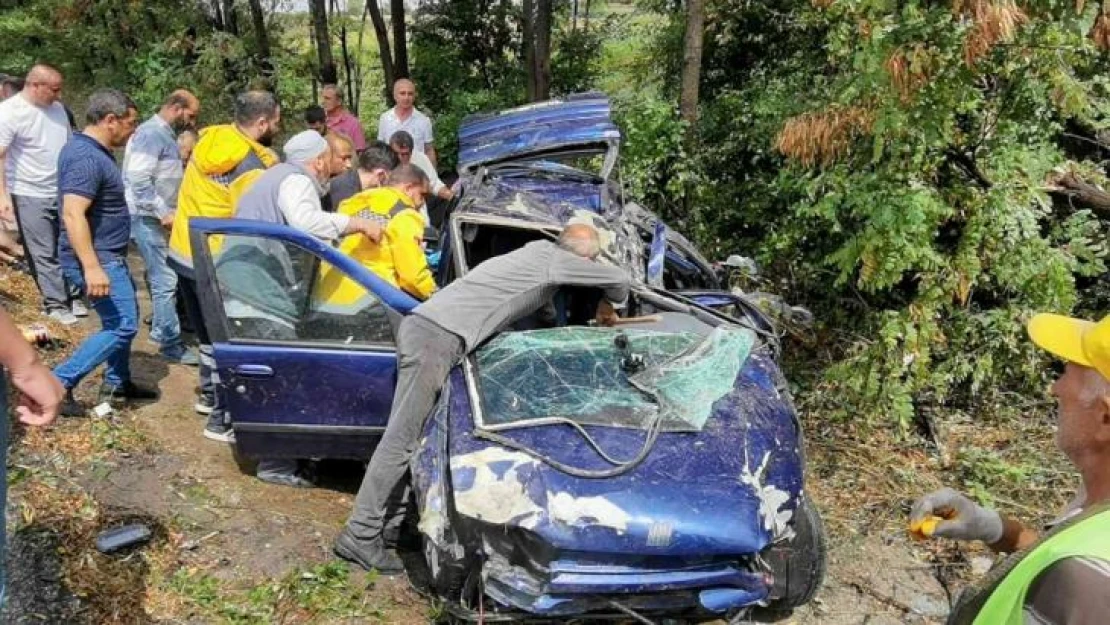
(1083, 342)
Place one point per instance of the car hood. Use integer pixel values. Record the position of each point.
(576, 120)
(730, 488)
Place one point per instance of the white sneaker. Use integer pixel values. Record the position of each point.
(223, 435)
(78, 308)
(62, 316)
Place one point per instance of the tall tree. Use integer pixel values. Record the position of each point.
(400, 41)
(327, 70)
(691, 64)
(382, 34)
(258, 20)
(536, 38)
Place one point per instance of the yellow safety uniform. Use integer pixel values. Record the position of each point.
(398, 258)
(224, 164)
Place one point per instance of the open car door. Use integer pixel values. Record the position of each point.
(303, 339)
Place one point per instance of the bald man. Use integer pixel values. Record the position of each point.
(152, 172)
(405, 116)
(33, 129)
(339, 118)
(441, 331)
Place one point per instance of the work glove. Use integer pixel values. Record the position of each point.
(955, 517)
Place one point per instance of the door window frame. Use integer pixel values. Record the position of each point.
(396, 302)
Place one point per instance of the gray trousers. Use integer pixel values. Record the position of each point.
(425, 355)
(39, 227)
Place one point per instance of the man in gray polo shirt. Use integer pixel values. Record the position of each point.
(445, 328)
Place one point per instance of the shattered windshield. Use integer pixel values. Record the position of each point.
(603, 376)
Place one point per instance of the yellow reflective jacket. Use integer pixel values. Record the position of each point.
(214, 178)
(398, 258)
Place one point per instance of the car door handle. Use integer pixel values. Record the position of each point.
(254, 371)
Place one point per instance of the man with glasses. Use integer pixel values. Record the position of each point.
(33, 129)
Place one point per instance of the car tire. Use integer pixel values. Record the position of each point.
(799, 565)
(446, 574)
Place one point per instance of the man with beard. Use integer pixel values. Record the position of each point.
(152, 171)
(226, 158)
(257, 274)
(93, 248)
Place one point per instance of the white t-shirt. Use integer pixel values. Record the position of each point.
(34, 137)
(418, 125)
(421, 160)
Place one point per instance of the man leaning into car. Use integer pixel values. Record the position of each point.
(444, 329)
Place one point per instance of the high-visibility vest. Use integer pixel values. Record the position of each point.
(223, 164)
(1089, 536)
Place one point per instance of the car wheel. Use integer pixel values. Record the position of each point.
(798, 565)
(446, 573)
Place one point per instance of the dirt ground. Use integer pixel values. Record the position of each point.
(228, 548)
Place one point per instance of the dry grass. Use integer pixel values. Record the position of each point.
(993, 22)
(821, 138)
(909, 70)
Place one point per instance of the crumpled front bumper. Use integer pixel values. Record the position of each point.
(570, 585)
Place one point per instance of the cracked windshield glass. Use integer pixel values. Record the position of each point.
(601, 376)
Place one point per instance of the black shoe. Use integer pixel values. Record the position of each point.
(370, 555)
(128, 390)
(70, 407)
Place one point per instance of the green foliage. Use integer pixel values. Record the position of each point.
(923, 235)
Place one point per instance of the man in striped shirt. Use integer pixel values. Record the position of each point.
(152, 171)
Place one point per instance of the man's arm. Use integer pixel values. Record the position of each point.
(948, 514)
(40, 392)
(406, 232)
(299, 202)
(566, 268)
(7, 208)
(430, 142)
(74, 209)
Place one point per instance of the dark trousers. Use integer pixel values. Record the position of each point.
(209, 375)
(425, 355)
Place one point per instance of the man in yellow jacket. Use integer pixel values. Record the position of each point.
(226, 159)
(399, 257)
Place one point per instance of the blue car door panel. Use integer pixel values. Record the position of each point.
(302, 377)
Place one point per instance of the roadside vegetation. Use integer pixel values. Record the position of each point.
(923, 175)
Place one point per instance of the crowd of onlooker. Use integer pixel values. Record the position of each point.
(71, 201)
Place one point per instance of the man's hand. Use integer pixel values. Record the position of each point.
(606, 314)
(97, 284)
(40, 394)
(7, 208)
(959, 517)
(167, 220)
(10, 251)
(370, 228)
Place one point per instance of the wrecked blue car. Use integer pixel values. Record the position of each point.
(650, 470)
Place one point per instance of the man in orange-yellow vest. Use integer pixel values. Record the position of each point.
(226, 159)
(1062, 577)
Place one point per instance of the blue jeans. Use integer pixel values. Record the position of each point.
(150, 238)
(119, 321)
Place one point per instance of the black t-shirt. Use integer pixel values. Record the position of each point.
(342, 187)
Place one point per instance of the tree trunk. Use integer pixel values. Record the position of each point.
(327, 71)
(400, 40)
(586, 18)
(231, 24)
(1082, 193)
(536, 37)
(265, 63)
(384, 53)
(691, 65)
(542, 36)
(527, 40)
(349, 79)
(574, 16)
